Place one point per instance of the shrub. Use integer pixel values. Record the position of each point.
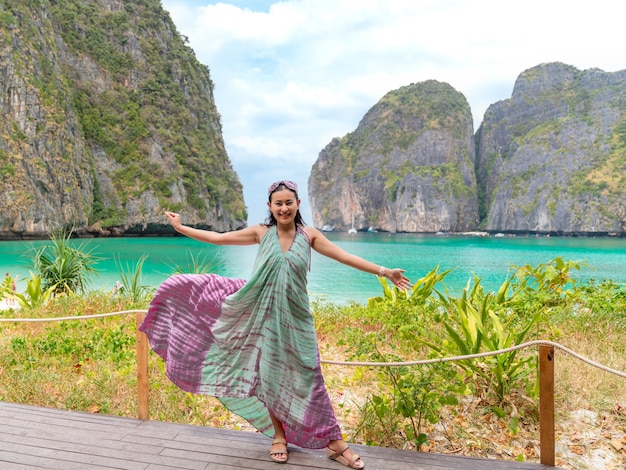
(63, 267)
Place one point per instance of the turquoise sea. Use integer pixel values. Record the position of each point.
(490, 258)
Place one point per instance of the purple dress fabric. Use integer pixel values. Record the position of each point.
(251, 344)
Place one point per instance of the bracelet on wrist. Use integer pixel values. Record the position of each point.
(381, 271)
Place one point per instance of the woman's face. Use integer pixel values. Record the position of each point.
(284, 206)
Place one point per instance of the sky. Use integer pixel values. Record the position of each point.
(292, 75)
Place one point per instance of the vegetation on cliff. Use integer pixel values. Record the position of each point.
(409, 165)
(548, 160)
(138, 110)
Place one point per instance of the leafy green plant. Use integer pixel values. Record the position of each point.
(132, 287)
(421, 290)
(62, 266)
(415, 397)
(5, 287)
(200, 264)
(481, 322)
(35, 295)
(547, 282)
(603, 302)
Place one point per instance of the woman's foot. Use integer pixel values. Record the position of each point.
(339, 451)
(278, 451)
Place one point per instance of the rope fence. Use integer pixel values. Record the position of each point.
(367, 363)
(483, 354)
(74, 317)
(546, 372)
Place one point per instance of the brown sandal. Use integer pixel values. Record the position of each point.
(274, 455)
(339, 457)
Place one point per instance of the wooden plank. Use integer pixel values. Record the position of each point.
(100, 449)
(52, 415)
(11, 466)
(10, 434)
(56, 428)
(9, 459)
(58, 439)
(40, 453)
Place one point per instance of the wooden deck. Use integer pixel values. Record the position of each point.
(35, 437)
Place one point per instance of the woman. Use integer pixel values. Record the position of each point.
(253, 344)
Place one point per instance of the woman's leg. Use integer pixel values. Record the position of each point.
(278, 451)
(338, 450)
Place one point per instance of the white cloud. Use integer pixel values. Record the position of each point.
(289, 76)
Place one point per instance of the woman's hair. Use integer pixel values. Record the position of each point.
(279, 186)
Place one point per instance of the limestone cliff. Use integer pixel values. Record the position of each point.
(408, 167)
(107, 119)
(552, 157)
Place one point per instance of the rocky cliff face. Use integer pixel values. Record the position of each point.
(408, 167)
(552, 157)
(107, 119)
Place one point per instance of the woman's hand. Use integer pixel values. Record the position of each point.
(174, 219)
(397, 276)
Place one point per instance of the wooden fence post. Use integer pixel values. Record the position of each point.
(142, 369)
(546, 405)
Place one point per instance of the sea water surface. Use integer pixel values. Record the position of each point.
(490, 258)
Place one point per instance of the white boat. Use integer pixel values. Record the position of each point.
(352, 230)
(327, 228)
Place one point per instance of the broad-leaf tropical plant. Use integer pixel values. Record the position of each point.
(421, 290)
(479, 322)
(34, 296)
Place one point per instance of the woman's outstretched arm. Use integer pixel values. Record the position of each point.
(324, 246)
(247, 236)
